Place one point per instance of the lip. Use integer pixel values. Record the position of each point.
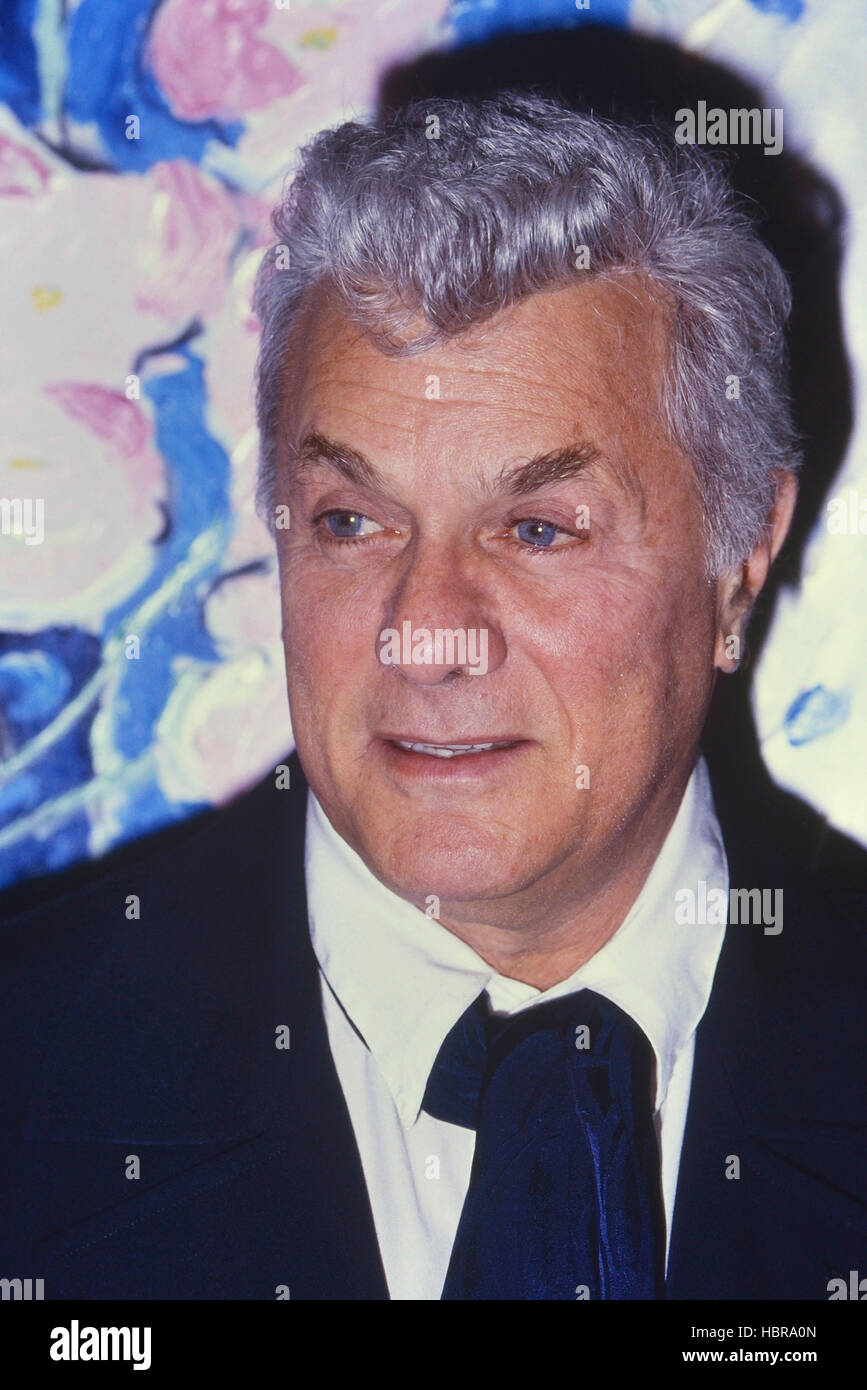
(466, 767)
(466, 739)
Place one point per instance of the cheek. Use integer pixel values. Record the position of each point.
(329, 631)
(623, 638)
(601, 624)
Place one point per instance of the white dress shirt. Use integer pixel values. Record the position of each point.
(403, 979)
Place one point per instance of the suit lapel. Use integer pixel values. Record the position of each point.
(771, 1192)
(250, 1175)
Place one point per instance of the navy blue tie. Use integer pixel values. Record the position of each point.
(564, 1199)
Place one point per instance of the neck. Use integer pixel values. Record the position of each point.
(544, 934)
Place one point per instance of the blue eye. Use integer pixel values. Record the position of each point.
(347, 525)
(539, 534)
(343, 523)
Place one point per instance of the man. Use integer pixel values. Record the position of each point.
(496, 1009)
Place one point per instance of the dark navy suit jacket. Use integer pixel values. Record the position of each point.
(156, 1038)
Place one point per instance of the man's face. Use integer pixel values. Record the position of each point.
(520, 488)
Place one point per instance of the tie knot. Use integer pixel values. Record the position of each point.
(584, 1029)
(564, 1197)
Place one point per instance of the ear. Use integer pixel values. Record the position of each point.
(739, 586)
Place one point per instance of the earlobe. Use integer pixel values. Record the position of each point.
(734, 603)
(729, 651)
(739, 587)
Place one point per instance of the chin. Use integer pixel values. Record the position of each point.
(453, 862)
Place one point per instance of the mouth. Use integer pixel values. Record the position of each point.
(471, 760)
(452, 750)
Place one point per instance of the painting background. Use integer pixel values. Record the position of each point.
(126, 404)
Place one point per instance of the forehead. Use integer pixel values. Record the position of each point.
(585, 361)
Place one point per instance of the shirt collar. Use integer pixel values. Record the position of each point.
(404, 980)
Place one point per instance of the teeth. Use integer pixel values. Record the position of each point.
(446, 750)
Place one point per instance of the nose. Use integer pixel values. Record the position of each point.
(438, 620)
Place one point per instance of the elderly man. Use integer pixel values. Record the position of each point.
(484, 1003)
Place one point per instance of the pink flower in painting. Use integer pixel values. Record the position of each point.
(184, 257)
(21, 173)
(84, 460)
(210, 59)
(101, 266)
(341, 52)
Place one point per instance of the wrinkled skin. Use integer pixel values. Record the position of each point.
(604, 640)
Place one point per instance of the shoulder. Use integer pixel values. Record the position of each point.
(813, 878)
(787, 1013)
(191, 881)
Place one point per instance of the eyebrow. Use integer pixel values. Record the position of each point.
(315, 448)
(555, 466)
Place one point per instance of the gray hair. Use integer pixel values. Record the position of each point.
(449, 211)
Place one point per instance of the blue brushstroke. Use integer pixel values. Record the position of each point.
(33, 685)
(40, 672)
(473, 21)
(108, 81)
(147, 809)
(19, 72)
(198, 476)
(58, 662)
(16, 799)
(814, 714)
(67, 844)
(198, 473)
(788, 9)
